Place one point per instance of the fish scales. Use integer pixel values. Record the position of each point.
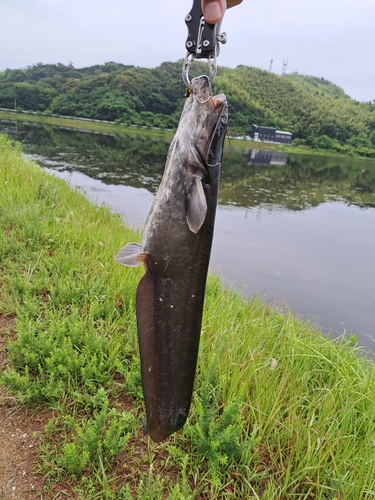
(175, 251)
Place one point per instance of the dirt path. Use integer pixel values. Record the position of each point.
(20, 436)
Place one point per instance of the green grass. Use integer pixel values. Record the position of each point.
(279, 411)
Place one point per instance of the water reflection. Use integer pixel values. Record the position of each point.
(265, 158)
(293, 228)
(293, 182)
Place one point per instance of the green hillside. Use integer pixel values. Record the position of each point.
(318, 86)
(317, 112)
(313, 109)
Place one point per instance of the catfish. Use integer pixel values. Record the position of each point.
(175, 252)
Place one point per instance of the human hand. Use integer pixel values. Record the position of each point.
(213, 10)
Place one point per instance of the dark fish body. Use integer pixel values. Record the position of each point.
(175, 251)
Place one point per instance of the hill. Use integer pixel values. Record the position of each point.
(317, 112)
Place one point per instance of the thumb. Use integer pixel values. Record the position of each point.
(213, 10)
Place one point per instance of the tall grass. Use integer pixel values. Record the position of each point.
(279, 411)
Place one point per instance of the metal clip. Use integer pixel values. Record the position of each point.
(202, 42)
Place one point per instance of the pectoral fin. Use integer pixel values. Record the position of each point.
(130, 255)
(196, 204)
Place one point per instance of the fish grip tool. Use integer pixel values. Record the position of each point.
(203, 42)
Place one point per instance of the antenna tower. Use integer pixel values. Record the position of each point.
(285, 65)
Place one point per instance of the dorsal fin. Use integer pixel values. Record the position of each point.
(149, 358)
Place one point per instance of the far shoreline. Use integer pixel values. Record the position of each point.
(105, 127)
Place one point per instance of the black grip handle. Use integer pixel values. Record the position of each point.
(201, 38)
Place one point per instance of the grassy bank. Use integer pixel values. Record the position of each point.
(108, 128)
(95, 126)
(279, 411)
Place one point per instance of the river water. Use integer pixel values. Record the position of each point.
(298, 230)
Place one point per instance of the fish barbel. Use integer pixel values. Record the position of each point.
(175, 251)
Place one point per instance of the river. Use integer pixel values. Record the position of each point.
(298, 230)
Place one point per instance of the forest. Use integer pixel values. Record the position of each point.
(317, 112)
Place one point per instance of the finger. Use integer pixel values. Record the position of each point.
(213, 10)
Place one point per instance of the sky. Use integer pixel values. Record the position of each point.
(325, 38)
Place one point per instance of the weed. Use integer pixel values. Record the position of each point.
(279, 411)
(217, 431)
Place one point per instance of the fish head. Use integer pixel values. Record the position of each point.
(210, 119)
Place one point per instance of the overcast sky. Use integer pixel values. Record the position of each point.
(326, 38)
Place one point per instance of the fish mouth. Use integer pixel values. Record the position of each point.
(202, 92)
(211, 118)
(217, 102)
(219, 122)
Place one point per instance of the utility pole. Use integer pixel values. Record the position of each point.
(271, 65)
(285, 65)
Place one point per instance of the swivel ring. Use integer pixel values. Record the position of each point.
(189, 58)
